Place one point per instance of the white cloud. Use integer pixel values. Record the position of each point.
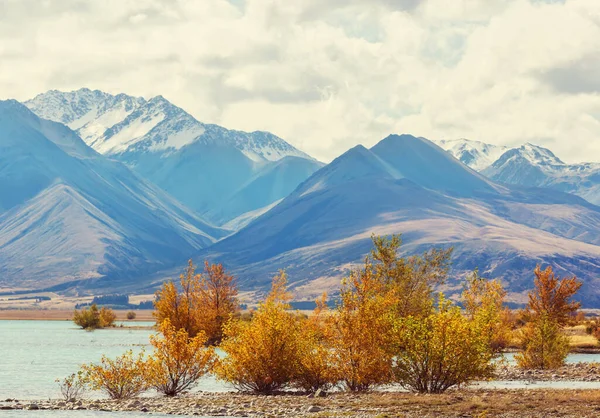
(328, 75)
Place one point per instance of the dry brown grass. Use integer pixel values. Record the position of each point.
(65, 315)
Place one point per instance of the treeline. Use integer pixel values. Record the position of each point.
(388, 327)
(116, 302)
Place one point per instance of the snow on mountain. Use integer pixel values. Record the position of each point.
(534, 166)
(117, 124)
(68, 213)
(202, 165)
(475, 154)
(404, 185)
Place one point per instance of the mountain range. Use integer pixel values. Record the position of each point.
(101, 191)
(210, 169)
(68, 213)
(528, 165)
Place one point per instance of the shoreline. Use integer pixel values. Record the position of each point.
(531, 403)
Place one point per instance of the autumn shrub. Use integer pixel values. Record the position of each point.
(359, 335)
(87, 318)
(440, 351)
(178, 362)
(107, 317)
(263, 355)
(483, 301)
(315, 369)
(72, 387)
(200, 302)
(549, 309)
(545, 346)
(93, 318)
(121, 378)
(131, 315)
(387, 287)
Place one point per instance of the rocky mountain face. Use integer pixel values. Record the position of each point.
(204, 166)
(68, 213)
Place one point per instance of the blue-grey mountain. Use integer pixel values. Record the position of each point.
(206, 167)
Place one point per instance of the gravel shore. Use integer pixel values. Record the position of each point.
(466, 402)
(582, 372)
(458, 403)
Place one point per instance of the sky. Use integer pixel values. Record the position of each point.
(328, 74)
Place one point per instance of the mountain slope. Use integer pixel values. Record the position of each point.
(405, 185)
(534, 166)
(202, 165)
(70, 213)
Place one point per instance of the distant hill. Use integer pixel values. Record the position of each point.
(411, 186)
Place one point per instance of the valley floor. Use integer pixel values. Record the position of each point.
(531, 403)
(65, 315)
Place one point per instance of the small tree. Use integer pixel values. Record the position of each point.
(440, 351)
(121, 378)
(180, 306)
(131, 315)
(72, 387)
(178, 362)
(387, 287)
(484, 306)
(200, 303)
(545, 346)
(548, 310)
(218, 299)
(263, 355)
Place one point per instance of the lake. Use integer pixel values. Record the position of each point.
(33, 354)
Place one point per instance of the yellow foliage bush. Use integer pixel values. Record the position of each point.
(440, 351)
(121, 378)
(315, 369)
(178, 361)
(92, 318)
(544, 345)
(263, 355)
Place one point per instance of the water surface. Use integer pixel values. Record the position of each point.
(33, 354)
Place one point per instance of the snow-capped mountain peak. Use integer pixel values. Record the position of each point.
(538, 155)
(117, 124)
(475, 154)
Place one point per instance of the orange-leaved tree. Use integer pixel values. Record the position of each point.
(218, 298)
(548, 310)
(372, 298)
(200, 302)
(263, 354)
(178, 362)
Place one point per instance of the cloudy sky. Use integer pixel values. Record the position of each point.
(328, 74)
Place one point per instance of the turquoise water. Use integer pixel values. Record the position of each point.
(33, 354)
